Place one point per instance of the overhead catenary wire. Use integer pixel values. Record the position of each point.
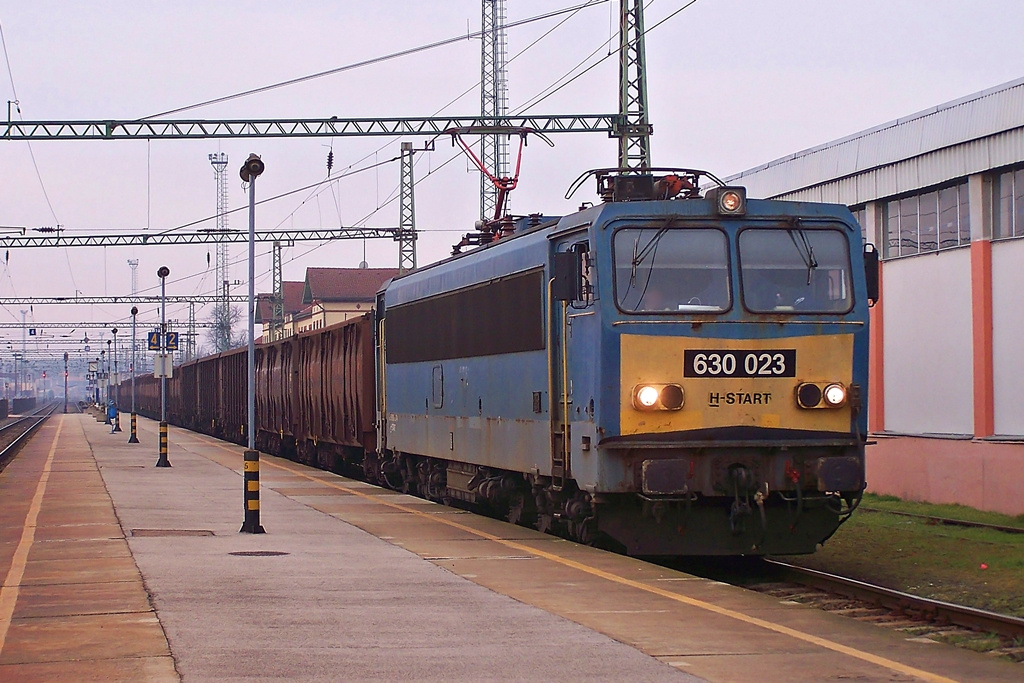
(35, 165)
(544, 94)
(368, 62)
(329, 182)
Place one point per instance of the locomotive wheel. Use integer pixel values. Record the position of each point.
(522, 509)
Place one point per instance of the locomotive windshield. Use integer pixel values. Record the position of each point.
(799, 270)
(665, 270)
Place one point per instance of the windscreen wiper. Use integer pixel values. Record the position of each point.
(806, 251)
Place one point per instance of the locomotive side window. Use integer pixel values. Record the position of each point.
(795, 270)
(666, 270)
(501, 316)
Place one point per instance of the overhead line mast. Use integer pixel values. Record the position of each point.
(634, 130)
(493, 101)
(222, 311)
(407, 213)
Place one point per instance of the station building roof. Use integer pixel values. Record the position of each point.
(344, 284)
(292, 301)
(970, 135)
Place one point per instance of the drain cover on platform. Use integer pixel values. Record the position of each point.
(258, 553)
(171, 532)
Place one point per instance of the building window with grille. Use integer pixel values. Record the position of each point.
(1008, 204)
(927, 221)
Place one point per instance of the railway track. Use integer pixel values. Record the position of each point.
(918, 617)
(17, 431)
(946, 520)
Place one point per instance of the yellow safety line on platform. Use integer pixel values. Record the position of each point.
(12, 584)
(593, 571)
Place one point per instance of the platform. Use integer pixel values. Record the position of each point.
(117, 570)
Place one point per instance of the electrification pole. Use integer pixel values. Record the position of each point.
(277, 306)
(222, 311)
(19, 385)
(635, 130)
(493, 102)
(407, 214)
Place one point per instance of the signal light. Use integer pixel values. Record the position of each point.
(44, 374)
(651, 397)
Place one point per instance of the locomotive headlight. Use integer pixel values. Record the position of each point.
(729, 201)
(821, 395)
(835, 395)
(649, 397)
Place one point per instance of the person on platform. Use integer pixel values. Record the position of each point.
(112, 414)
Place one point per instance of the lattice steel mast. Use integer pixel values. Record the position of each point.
(407, 214)
(493, 101)
(634, 131)
(222, 311)
(133, 263)
(277, 305)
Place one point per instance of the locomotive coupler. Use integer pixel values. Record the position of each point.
(759, 500)
(741, 479)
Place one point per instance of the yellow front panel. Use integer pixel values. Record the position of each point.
(733, 401)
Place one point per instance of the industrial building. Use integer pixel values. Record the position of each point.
(941, 194)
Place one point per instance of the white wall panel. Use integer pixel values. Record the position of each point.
(928, 346)
(1008, 336)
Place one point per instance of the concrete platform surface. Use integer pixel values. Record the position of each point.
(315, 599)
(142, 570)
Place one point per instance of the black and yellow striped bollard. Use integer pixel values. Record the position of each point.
(162, 460)
(251, 496)
(134, 438)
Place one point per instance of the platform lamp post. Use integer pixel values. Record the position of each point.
(65, 381)
(134, 438)
(116, 390)
(250, 170)
(162, 273)
(105, 371)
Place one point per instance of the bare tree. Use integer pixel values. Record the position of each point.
(221, 330)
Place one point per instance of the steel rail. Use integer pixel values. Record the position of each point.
(960, 615)
(37, 418)
(435, 126)
(947, 520)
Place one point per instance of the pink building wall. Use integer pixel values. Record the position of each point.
(981, 474)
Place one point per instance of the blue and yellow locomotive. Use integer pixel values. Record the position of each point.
(664, 372)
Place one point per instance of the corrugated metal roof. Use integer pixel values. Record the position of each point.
(988, 114)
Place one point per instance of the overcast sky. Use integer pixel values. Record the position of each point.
(732, 84)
